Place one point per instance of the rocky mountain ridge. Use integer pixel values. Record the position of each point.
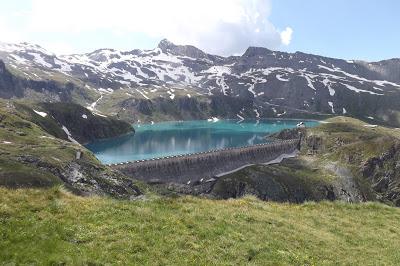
(277, 84)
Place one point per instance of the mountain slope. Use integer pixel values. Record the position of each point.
(278, 84)
(32, 157)
(51, 89)
(83, 125)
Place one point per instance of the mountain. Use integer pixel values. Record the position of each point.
(183, 82)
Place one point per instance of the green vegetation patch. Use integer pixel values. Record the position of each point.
(16, 174)
(54, 227)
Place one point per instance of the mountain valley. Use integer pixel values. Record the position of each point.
(335, 199)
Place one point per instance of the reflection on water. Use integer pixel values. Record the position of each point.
(172, 138)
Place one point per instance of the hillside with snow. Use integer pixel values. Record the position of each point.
(260, 83)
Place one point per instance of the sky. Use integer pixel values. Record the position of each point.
(348, 29)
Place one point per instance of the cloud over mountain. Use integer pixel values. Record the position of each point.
(223, 27)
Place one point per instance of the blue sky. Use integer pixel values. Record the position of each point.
(349, 29)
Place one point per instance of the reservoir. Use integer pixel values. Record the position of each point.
(175, 138)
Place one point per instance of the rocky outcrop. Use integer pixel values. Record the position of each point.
(289, 133)
(184, 50)
(313, 143)
(87, 179)
(271, 183)
(309, 143)
(9, 85)
(383, 174)
(81, 177)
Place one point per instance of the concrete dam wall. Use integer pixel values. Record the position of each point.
(205, 165)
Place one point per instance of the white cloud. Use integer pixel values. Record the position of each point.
(7, 34)
(58, 48)
(218, 26)
(286, 36)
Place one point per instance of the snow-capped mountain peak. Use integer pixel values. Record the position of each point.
(273, 79)
(23, 47)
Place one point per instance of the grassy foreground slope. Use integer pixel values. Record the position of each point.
(39, 226)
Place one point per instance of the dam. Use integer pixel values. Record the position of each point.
(203, 166)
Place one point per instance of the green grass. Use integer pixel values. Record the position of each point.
(16, 174)
(43, 227)
(52, 226)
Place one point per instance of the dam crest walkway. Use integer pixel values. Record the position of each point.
(202, 165)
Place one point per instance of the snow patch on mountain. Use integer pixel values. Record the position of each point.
(279, 77)
(63, 66)
(240, 117)
(331, 105)
(39, 59)
(309, 81)
(92, 106)
(360, 90)
(218, 70)
(327, 83)
(70, 138)
(42, 114)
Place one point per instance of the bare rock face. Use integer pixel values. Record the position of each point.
(86, 179)
(294, 133)
(314, 143)
(182, 50)
(12, 86)
(9, 84)
(383, 173)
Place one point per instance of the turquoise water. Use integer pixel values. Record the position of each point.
(173, 138)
